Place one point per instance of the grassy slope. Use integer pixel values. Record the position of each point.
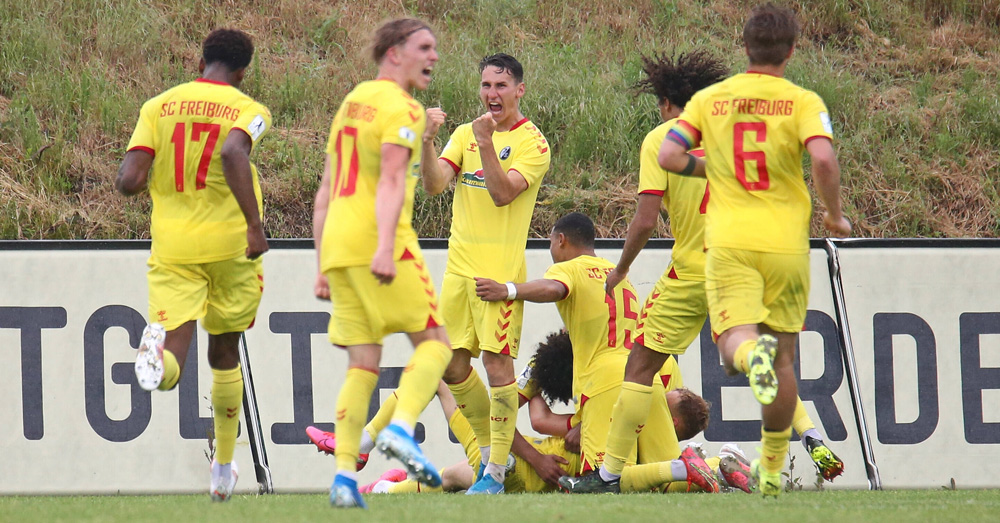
(912, 85)
(798, 507)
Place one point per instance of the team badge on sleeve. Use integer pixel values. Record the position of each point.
(827, 124)
(257, 127)
(407, 134)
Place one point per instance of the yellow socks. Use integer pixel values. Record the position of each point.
(503, 422)
(642, 478)
(171, 371)
(352, 412)
(627, 418)
(227, 398)
(801, 421)
(774, 448)
(742, 356)
(420, 381)
(382, 417)
(474, 402)
(463, 433)
(410, 486)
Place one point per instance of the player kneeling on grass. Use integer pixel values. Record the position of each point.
(206, 229)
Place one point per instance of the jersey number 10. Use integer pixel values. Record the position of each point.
(350, 183)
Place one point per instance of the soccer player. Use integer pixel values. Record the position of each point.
(600, 326)
(498, 161)
(676, 309)
(191, 146)
(370, 263)
(754, 127)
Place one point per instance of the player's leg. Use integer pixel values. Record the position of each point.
(464, 382)
(827, 463)
(235, 292)
(177, 297)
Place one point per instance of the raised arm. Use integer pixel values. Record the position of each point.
(538, 291)
(503, 186)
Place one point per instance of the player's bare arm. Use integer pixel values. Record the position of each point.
(133, 172)
(647, 213)
(546, 465)
(435, 173)
(239, 176)
(826, 178)
(502, 186)
(538, 291)
(321, 289)
(544, 421)
(675, 158)
(390, 194)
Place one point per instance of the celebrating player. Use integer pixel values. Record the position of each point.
(206, 228)
(370, 263)
(754, 128)
(600, 326)
(499, 160)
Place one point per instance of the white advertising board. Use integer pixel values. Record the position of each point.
(925, 325)
(70, 317)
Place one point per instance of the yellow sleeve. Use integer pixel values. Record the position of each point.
(404, 125)
(526, 384)
(532, 159)
(255, 120)
(143, 137)
(454, 149)
(814, 120)
(653, 179)
(560, 272)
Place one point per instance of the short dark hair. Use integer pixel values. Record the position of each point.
(392, 33)
(693, 409)
(231, 47)
(677, 77)
(770, 34)
(504, 62)
(578, 228)
(553, 367)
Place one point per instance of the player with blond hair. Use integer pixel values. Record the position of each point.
(370, 263)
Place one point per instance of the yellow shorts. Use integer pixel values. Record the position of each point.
(673, 315)
(749, 287)
(477, 325)
(658, 440)
(595, 422)
(365, 311)
(525, 479)
(224, 295)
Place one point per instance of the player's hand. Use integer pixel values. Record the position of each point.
(383, 267)
(839, 227)
(547, 467)
(321, 289)
(483, 128)
(489, 290)
(435, 118)
(571, 442)
(256, 242)
(612, 280)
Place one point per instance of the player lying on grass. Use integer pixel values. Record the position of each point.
(548, 375)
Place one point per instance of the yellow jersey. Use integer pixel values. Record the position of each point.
(754, 128)
(195, 217)
(684, 197)
(376, 112)
(488, 241)
(600, 326)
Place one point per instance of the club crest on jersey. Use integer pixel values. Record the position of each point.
(505, 153)
(475, 179)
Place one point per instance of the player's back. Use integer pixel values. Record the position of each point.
(685, 198)
(600, 326)
(195, 217)
(754, 128)
(375, 113)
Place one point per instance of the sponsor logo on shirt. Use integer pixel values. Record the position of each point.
(475, 179)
